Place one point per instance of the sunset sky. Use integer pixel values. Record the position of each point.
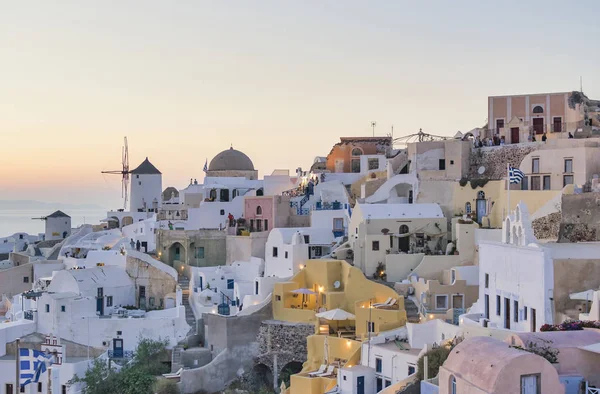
(280, 80)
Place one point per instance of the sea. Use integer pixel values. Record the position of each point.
(22, 220)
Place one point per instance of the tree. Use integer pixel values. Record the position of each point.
(136, 377)
(165, 386)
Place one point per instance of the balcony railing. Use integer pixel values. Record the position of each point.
(329, 206)
(28, 315)
(120, 354)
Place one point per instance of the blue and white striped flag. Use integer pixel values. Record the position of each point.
(205, 166)
(515, 175)
(32, 364)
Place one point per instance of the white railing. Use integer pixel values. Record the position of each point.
(591, 390)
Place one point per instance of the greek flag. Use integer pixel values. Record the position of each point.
(32, 364)
(205, 166)
(515, 175)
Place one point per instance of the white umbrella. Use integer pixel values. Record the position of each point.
(336, 314)
(587, 295)
(304, 292)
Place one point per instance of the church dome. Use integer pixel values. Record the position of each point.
(231, 160)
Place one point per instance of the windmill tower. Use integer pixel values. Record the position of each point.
(124, 172)
(58, 226)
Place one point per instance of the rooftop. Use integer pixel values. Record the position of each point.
(391, 211)
(58, 214)
(146, 168)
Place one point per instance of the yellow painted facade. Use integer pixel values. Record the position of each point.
(339, 285)
(496, 196)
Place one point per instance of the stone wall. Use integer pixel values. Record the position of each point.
(547, 227)
(580, 218)
(494, 160)
(280, 343)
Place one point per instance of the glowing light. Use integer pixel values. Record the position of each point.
(321, 288)
(431, 316)
(301, 266)
(348, 343)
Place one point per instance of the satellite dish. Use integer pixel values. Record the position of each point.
(336, 284)
(481, 170)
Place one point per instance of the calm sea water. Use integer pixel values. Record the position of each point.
(15, 220)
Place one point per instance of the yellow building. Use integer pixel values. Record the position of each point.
(336, 344)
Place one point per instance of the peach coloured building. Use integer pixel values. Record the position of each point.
(483, 365)
(345, 155)
(516, 117)
(262, 213)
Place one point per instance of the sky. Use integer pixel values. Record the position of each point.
(280, 80)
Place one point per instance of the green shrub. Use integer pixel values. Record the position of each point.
(165, 386)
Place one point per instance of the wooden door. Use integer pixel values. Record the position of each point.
(538, 125)
(514, 135)
(507, 313)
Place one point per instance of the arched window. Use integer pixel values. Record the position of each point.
(538, 109)
(403, 229)
(259, 210)
(468, 209)
(452, 385)
(357, 152)
(480, 195)
(260, 192)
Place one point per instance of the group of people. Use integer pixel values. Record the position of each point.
(496, 140)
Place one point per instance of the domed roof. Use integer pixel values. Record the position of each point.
(231, 160)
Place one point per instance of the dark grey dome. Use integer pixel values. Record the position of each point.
(231, 160)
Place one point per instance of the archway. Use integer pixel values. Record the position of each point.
(261, 378)
(287, 371)
(114, 223)
(404, 241)
(177, 253)
(126, 221)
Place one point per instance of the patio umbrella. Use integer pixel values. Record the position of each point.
(304, 291)
(337, 315)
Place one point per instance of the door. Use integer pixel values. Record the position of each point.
(507, 313)
(117, 348)
(145, 246)
(100, 305)
(177, 253)
(9, 389)
(514, 135)
(360, 385)
(481, 209)
(557, 125)
(487, 306)
(142, 298)
(339, 165)
(538, 125)
(404, 241)
(499, 124)
(533, 318)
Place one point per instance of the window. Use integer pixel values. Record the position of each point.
(375, 246)
(277, 298)
(535, 165)
(379, 384)
(567, 180)
(370, 326)
(442, 164)
(373, 164)
(22, 389)
(251, 224)
(487, 306)
(47, 308)
(378, 365)
(222, 212)
(355, 165)
(524, 313)
(568, 166)
(259, 210)
(411, 369)
(274, 252)
(100, 292)
(452, 385)
(538, 109)
(26, 279)
(388, 383)
(441, 302)
(516, 311)
(530, 384)
(230, 284)
(63, 389)
(199, 252)
(266, 225)
(546, 182)
(487, 281)
(481, 195)
(39, 387)
(499, 124)
(307, 239)
(525, 183)
(142, 291)
(498, 305)
(63, 308)
(317, 251)
(557, 124)
(357, 152)
(338, 224)
(109, 301)
(259, 226)
(468, 208)
(285, 254)
(535, 183)
(151, 301)
(451, 162)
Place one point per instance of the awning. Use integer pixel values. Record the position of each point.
(304, 291)
(587, 295)
(336, 314)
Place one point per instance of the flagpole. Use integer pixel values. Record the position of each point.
(17, 358)
(507, 189)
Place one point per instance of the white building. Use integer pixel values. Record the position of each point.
(524, 284)
(287, 249)
(58, 226)
(18, 240)
(146, 188)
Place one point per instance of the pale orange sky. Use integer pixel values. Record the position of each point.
(281, 81)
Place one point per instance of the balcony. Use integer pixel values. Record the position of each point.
(328, 206)
(120, 354)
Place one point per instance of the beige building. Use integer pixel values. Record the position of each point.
(200, 248)
(440, 160)
(515, 117)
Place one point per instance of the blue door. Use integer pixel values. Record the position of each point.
(100, 305)
(117, 348)
(481, 209)
(360, 385)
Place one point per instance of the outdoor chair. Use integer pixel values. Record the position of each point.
(319, 371)
(173, 375)
(383, 304)
(329, 372)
